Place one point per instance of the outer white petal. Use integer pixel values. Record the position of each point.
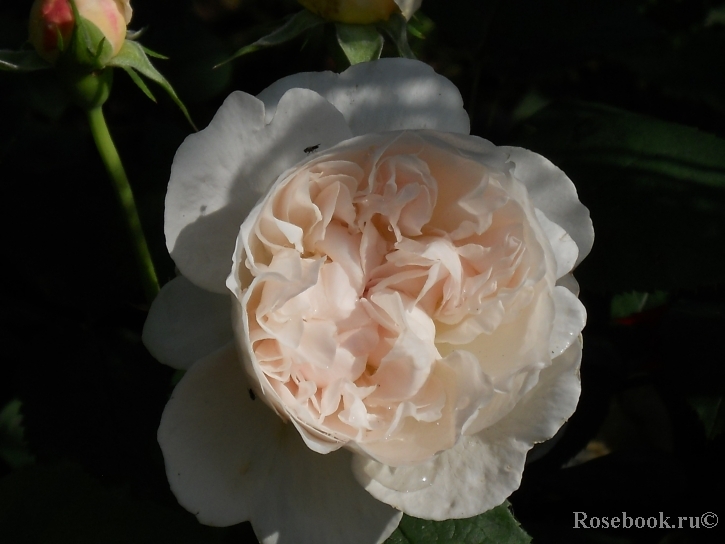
(230, 458)
(219, 174)
(482, 470)
(387, 94)
(408, 7)
(565, 249)
(570, 283)
(186, 323)
(554, 194)
(570, 316)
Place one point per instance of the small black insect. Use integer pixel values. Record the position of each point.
(312, 148)
(252, 395)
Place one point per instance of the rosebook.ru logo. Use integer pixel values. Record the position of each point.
(582, 520)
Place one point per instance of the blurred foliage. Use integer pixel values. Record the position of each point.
(626, 96)
(636, 302)
(13, 449)
(658, 178)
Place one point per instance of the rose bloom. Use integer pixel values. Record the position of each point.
(361, 11)
(376, 309)
(48, 18)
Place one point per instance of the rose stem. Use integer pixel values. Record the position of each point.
(114, 167)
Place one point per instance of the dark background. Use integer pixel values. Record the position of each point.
(626, 96)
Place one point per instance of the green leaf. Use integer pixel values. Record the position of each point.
(360, 43)
(21, 61)
(635, 302)
(711, 411)
(497, 526)
(295, 26)
(420, 25)
(12, 445)
(716, 16)
(132, 55)
(397, 28)
(656, 192)
(88, 46)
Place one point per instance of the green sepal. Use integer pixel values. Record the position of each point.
(295, 25)
(87, 47)
(133, 56)
(360, 43)
(60, 42)
(139, 82)
(89, 90)
(26, 60)
(154, 54)
(397, 28)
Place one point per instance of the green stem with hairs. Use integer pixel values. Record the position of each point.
(114, 167)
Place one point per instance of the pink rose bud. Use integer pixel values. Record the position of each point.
(51, 19)
(360, 11)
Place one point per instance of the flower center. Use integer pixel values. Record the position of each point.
(379, 274)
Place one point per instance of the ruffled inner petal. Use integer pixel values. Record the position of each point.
(397, 293)
(482, 469)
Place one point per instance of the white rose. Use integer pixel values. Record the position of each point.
(401, 294)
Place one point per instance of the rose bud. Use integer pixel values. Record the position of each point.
(52, 22)
(360, 12)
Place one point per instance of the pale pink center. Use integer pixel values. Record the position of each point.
(385, 282)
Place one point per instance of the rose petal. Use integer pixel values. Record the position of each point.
(230, 458)
(550, 404)
(219, 174)
(555, 195)
(481, 470)
(186, 323)
(515, 345)
(387, 94)
(565, 249)
(570, 283)
(569, 319)
(408, 7)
